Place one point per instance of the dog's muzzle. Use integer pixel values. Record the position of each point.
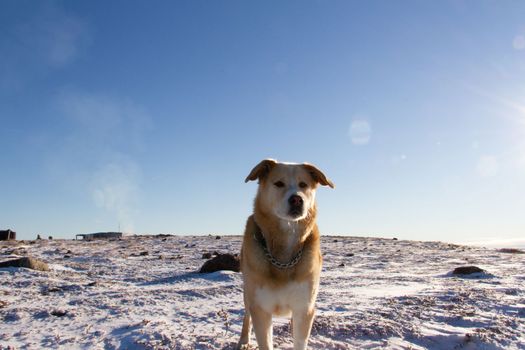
(296, 205)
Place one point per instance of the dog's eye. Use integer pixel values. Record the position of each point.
(279, 184)
(303, 184)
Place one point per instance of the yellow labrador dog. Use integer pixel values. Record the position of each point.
(280, 256)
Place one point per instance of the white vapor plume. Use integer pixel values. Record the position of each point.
(360, 131)
(100, 152)
(115, 188)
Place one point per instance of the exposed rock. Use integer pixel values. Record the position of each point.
(47, 290)
(467, 270)
(222, 262)
(143, 253)
(26, 262)
(206, 255)
(511, 251)
(58, 313)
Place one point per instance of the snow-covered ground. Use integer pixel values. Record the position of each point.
(143, 292)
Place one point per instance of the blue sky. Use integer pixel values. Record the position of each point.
(150, 115)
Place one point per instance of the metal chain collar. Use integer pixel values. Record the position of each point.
(279, 264)
(270, 257)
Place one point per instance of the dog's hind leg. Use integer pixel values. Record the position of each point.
(246, 328)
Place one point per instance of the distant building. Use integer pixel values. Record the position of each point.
(7, 235)
(99, 235)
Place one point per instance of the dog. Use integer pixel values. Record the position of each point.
(280, 255)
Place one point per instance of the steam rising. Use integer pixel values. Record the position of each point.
(115, 188)
(360, 132)
(106, 133)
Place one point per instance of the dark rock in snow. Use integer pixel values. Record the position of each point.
(511, 251)
(206, 255)
(58, 313)
(222, 262)
(467, 270)
(26, 262)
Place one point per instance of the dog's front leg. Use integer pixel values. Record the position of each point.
(262, 325)
(301, 326)
(246, 328)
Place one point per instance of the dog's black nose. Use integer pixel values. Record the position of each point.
(295, 200)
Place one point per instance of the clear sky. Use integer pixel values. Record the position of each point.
(151, 114)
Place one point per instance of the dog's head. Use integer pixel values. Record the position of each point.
(286, 189)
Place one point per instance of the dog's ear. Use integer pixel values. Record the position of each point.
(318, 175)
(261, 170)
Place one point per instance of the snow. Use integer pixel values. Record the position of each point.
(143, 292)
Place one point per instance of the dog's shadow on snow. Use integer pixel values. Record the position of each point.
(218, 276)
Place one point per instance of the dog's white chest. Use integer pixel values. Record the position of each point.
(282, 301)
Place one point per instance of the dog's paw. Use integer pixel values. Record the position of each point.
(243, 346)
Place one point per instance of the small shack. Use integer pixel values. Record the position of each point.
(99, 235)
(7, 235)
